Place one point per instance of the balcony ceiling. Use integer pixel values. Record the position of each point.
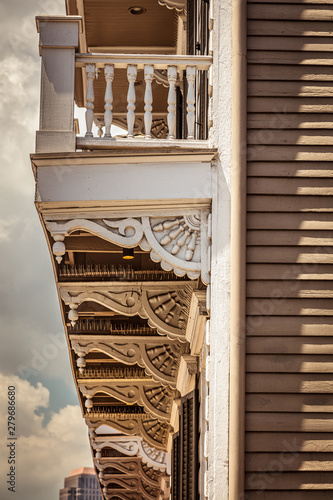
(109, 25)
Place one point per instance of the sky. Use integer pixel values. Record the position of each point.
(51, 434)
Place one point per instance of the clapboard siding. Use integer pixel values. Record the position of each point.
(317, 58)
(288, 221)
(285, 271)
(289, 345)
(294, 345)
(289, 326)
(310, 403)
(291, 495)
(289, 28)
(291, 169)
(289, 441)
(304, 462)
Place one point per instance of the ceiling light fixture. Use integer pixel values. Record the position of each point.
(136, 11)
(128, 253)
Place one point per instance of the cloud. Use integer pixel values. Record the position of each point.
(52, 434)
(45, 454)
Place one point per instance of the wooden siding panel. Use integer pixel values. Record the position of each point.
(290, 169)
(263, 56)
(289, 28)
(291, 422)
(288, 221)
(289, 442)
(289, 12)
(289, 326)
(294, 345)
(290, 481)
(290, 495)
(309, 403)
(281, 363)
(289, 322)
(299, 383)
(304, 462)
(290, 272)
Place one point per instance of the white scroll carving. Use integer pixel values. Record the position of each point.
(179, 5)
(129, 465)
(179, 243)
(164, 308)
(129, 483)
(134, 446)
(150, 429)
(157, 355)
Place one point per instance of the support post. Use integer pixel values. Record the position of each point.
(58, 39)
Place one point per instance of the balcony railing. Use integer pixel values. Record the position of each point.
(165, 94)
(165, 68)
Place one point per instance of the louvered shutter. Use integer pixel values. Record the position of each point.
(189, 434)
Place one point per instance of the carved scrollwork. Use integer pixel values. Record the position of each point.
(134, 446)
(129, 465)
(153, 431)
(179, 243)
(154, 398)
(165, 309)
(130, 483)
(179, 5)
(159, 357)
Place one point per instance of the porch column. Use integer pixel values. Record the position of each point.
(58, 39)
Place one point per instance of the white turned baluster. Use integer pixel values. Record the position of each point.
(190, 101)
(172, 77)
(131, 76)
(90, 97)
(109, 75)
(149, 75)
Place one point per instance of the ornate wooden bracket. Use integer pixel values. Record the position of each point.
(153, 431)
(130, 483)
(165, 306)
(156, 399)
(159, 356)
(131, 446)
(180, 243)
(129, 465)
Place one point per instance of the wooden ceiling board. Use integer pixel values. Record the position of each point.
(109, 23)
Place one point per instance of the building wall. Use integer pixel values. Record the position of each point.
(80, 487)
(289, 245)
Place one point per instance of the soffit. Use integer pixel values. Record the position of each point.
(108, 23)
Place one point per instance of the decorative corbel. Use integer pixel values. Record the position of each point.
(131, 446)
(180, 243)
(158, 356)
(196, 322)
(186, 374)
(165, 307)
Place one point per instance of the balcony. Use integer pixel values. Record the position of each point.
(156, 98)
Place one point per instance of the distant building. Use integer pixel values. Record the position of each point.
(81, 484)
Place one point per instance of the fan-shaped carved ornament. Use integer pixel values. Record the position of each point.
(180, 243)
(158, 356)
